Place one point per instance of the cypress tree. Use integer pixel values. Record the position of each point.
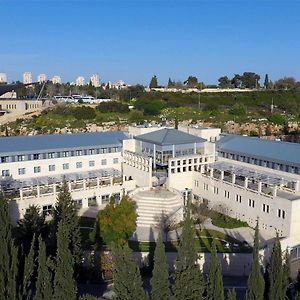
(127, 277)
(64, 284)
(44, 290)
(65, 210)
(188, 276)
(160, 275)
(215, 289)
(231, 294)
(153, 82)
(256, 283)
(286, 273)
(29, 267)
(275, 273)
(8, 255)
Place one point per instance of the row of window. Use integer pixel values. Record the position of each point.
(51, 168)
(189, 161)
(36, 156)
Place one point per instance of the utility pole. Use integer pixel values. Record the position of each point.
(199, 101)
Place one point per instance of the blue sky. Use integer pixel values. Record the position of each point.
(132, 40)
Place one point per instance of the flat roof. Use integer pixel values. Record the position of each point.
(56, 142)
(283, 152)
(169, 136)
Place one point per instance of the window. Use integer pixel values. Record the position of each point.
(184, 169)
(105, 199)
(78, 165)
(36, 156)
(196, 183)
(281, 213)
(216, 190)
(205, 186)
(172, 163)
(92, 201)
(51, 155)
(5, 173)
(184, 162)
(238, 198)
(178, 162)
(37, 169)
(51, 168)
(91, 151)
(78, 152)
(103, 162)
(92, 163)
(4, 159)
(66, 166)
(78, 203)
(250, 203)
(66, 154)
(115, 160)
(21, 158)
(47, 209)
(266, 208)
(172, 171)
(226, 194)
(21, 171)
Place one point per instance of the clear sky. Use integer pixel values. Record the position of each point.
(132, 40)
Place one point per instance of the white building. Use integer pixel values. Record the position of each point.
(95, 80)
(56, 79)
(27, 77)
(80, 81)
(3, 78)
(41, 78)
(100, 165)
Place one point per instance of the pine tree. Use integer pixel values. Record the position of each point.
(64, 284)
(160, 275)
(275, 273)
(266, 82)
(127, 277)
(28, 273)
(8, 255)
(215, 289)
(188, 276)
(170, 83)
(231, 294)
(44, 290)
(256, 283)
(286, 273)
(65, 210)
(153, 82)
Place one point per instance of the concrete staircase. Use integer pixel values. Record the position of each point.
(152, 203)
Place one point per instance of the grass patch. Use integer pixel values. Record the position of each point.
(224, 221)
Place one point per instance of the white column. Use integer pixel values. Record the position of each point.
(84, 184)
(38, 191)
(222, 175)
(54, 189)
(274, 191)
(111, 181)
(233, 178)
(297, 186)
(259, 186)
(211, 172)
(154, 155)
(98, 182)
(21, 194)
(246, 183)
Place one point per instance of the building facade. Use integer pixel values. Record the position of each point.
(80, 81)
(95, 80)
(56, 79)
(27, 77)
(3, 78)
(41, 78)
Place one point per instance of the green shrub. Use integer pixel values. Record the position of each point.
(224, 221)
(113, 106)
(277, 118)
(84, 113)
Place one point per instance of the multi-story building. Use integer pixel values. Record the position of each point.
(27, 77)
(41, 78)
(100, 165)
(80, 81)
(56, 79)
(3, 78)
(95, 80)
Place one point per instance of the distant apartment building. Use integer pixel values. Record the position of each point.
(41, 78)
(56, 79)
(80, 81)
(120, 85)
(3, 78)
(95, 80)
(27, 77)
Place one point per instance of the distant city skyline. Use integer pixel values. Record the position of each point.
(134, 40)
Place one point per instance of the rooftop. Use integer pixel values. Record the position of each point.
(169, 136)
(25, 144)
(264, 149)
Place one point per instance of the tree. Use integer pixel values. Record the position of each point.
(44, 288)
(188, 276)
(65, 210)
(256, 283)
(266, 82)
(250, 80)
(29, 267)
(231, 294)
(160, 275)
(165, 223)
(286, 83)
(224, 82)
(238, 109)
(286, 271)
(215, 282)
(8, 255)
(136, 116)
(275, 273)
(64, 284)
(127, 277)
(170, 83)
(117, 221)
(236, 81)
(33, 223)
(153, 82)
(191, 82)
